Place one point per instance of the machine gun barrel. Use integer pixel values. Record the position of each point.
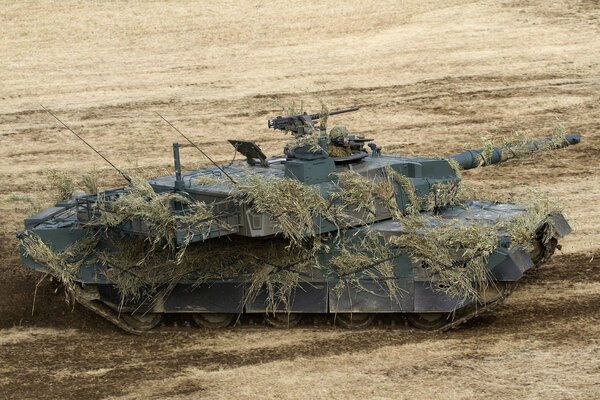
(473, 158)
(342, 111)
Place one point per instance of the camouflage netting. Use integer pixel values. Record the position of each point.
(292, 205)
(309, 141)
(63, 265)
(367, 257)
(525, 227)
(453, 256)
(269, 265)
(141, 203)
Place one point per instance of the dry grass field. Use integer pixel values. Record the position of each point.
(430, 78)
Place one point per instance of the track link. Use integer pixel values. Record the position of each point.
(476, 310)
(88, 299)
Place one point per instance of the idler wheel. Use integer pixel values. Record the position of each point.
(213, 320)
(283, 319)
(354, 320)
(142, 322)
(428, 321)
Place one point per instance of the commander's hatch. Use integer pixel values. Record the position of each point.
(251, 151)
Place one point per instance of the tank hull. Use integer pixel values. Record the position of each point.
(415, 293)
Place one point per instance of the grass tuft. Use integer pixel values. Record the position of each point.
(62, 183)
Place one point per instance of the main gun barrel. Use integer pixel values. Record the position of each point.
(473, 158)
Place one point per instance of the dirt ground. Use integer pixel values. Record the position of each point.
(430, 78)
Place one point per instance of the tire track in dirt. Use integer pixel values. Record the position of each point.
(132, 359)
(573, 268)
(420, 92)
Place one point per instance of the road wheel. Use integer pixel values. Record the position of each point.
(142, 322)
(213, 320)
(354, 320)
(283, 320)
(428, 321)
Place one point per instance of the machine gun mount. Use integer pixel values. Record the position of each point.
(301, 124)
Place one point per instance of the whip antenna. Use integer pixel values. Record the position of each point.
(127, 178)
(198, 148)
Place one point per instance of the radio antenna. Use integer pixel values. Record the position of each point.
(198, 148)
(127, 178)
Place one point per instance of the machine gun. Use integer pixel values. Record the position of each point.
(301, 124)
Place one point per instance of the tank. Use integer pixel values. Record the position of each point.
(333, 227)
